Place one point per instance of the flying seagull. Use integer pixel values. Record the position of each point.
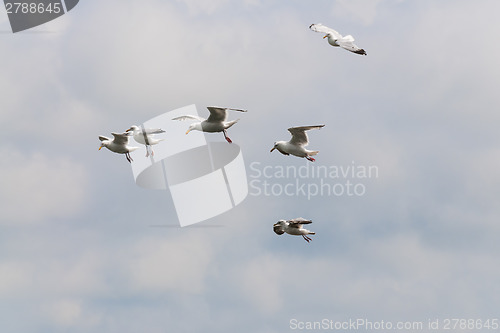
(336, 39)
(119, 144)
(294, 227)
(216, 122)
(298, 142)
(145, 136)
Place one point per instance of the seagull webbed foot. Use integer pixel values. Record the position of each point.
(310, 158)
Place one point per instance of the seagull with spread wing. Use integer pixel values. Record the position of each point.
(298, 142)
(216, 122)
(294, 227)
(118, 145)
(336, 39)
(145, 137)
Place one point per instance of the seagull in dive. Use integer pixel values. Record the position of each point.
(145, 136)
(216, 122)
(119, 144)
(294, 227)
(336, 39)
(298, 142)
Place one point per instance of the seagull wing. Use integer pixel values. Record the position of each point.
(189, 117)
(120, 138)
(347, 43)
(298, 222)
(217, 114)
(324, 29)
(299, 136)
(103, 138)
(240, 110)
(150, 131)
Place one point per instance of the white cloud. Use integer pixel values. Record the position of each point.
(156, 265)
(36, 188)
(203, 6)
(14, 276)
(205, 60)
(261, 282)
(65, 312)
(357, 10)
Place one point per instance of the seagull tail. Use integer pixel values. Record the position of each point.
(312, 233)
(231, 123)
(312, 153)
(360, 51)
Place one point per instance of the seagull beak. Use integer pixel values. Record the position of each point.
(100, 147)
(325, 36)
(189, 130)
(272, 149)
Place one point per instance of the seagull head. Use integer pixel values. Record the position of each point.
(191, 127)
(194, 126)
(279, 145)
(104, 141)
(279, 227)
(328, 35)
(132, 129)
(280, 223)
(275, 146)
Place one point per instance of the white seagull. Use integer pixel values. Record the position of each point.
(118, 145)
(298, 142)
(294, 227)
(145, 137)
(336, 39)
(216, 122)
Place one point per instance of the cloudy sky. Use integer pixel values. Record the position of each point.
(78, 250)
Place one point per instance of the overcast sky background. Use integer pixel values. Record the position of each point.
(77, 250)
